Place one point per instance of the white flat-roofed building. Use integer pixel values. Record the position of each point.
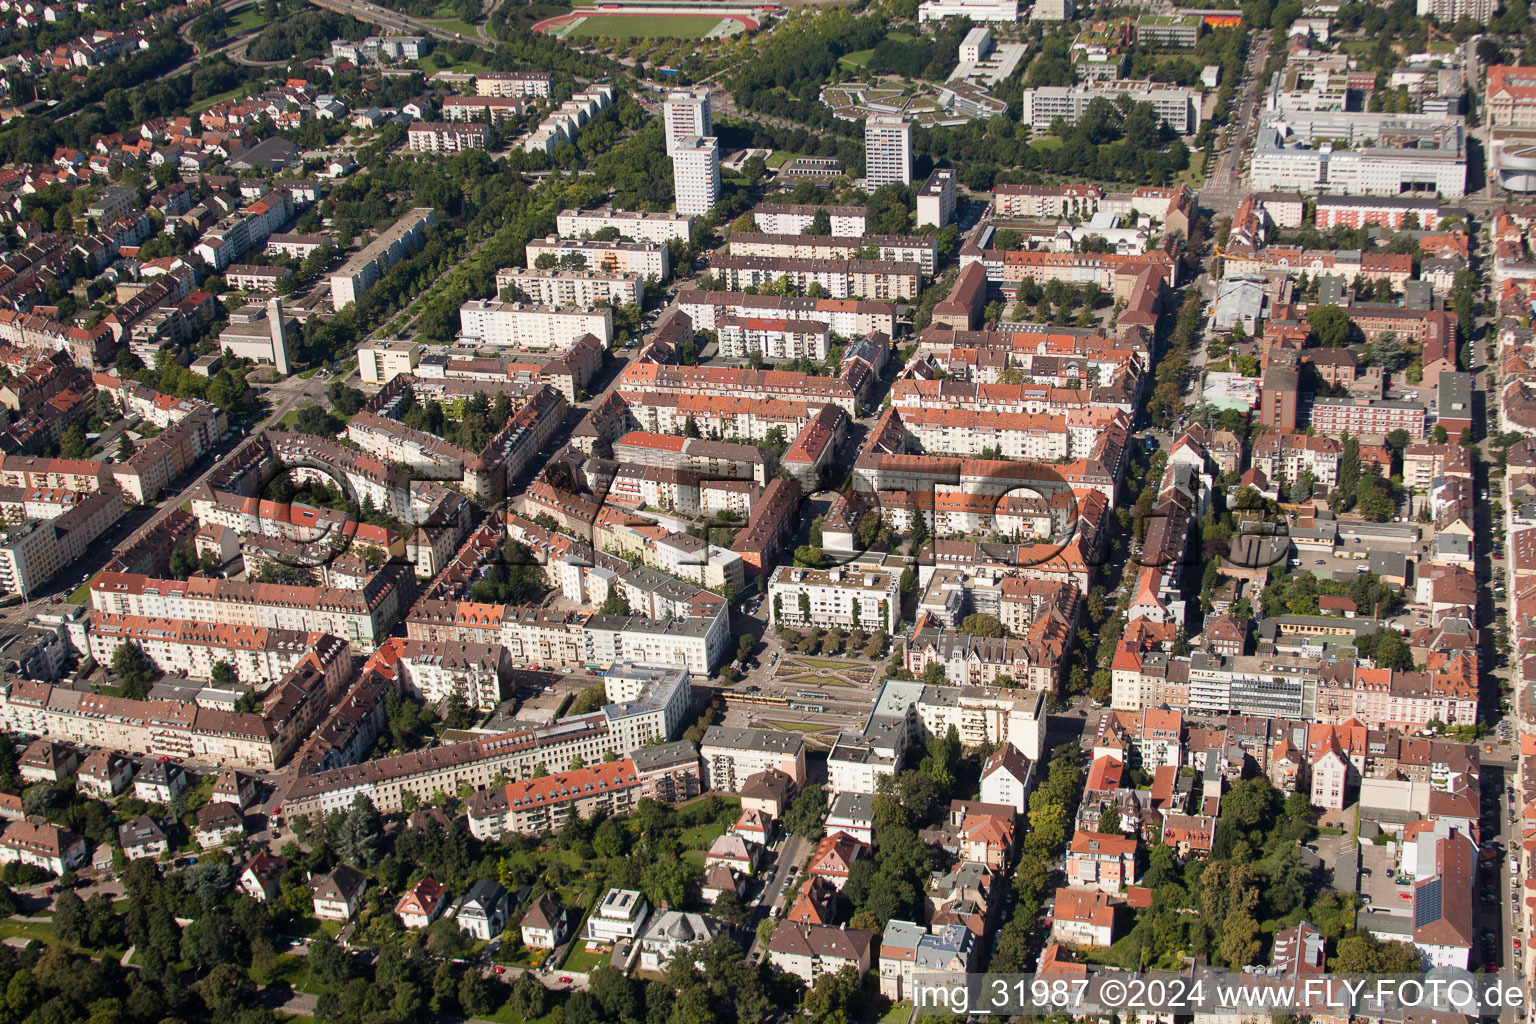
(443, 137)
(380, 362)
(773, 338)
(360, 272)
(514, 83)
(976, 10)
(540, 328)
(621, 916)
(686, 113)
(1338, 151)
(482, 108)
(976, 45)
(633, 225)
(888, 145)
(732, 756)
(853, 598)
(643, 258)
(1042, 106)
(919, 249)
(795, 218)
(937, 198)
(696, 173)
(569, 287)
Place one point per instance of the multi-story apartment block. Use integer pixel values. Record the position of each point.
(648, 259)
(547, 803)
(852, 598)
(622, 729)
(1103, 862)
(536, 328)
(838, 278)
(1043, 105)
(696, 174)
(937, 198)
(887, 151)
(848, 317)
(445, 137)
(568, 287)
(921, 249)
(1368, 418)
(795, 218)
(514, 83)
(1077, 201)
(773, 338)
(364, 268)
(686, 112)
(632, 225)
(379, 362)
(482, 108)
(732, 756)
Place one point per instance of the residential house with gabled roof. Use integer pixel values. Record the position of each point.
(422, 903)
(234, 787)
(160, 781)
(1007, 778)
(47, 760)
(735, 852)
(142, 837)
(260, 877)
(338, 894)
(984, 832)
(41, 845)
(547, 924)
(1103, 862)
(670, 933)
(104, 774)
(809, 950)
(1189, 834)
(720, 879)
(218, 823)
(481, 913)
(835, 856)
(816, 902)
(1081, 918)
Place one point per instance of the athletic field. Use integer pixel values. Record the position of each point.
(646, 24)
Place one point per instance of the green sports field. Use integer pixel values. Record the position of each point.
(643, 26)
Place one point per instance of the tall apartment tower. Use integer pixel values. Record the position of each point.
(696, 174)
(887, 151)
(687, 113)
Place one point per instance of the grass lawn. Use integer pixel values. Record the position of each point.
(827, 663)
(806, 727)
(1046, 142)
(780, 158)
(900, 37)
(248, 20)
(858, 58)
(1195, 175)
(505, 1015)
(81, 594)
(465, 67)
(458, 25)
(582, 961)
(38, 930)
(700, 836)
(229, 94)
(295, 971)
(897, 1014)
(643, 26)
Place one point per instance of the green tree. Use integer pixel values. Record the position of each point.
(134, 670)
(981, 624)
(73, 445)
(1328, 325)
